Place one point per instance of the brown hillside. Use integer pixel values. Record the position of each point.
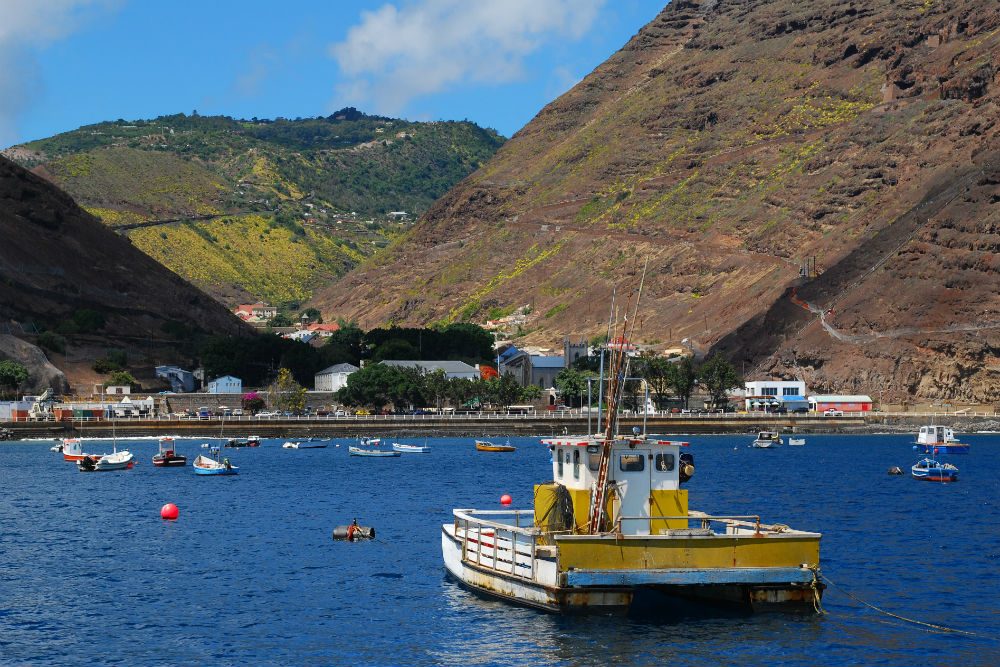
(726, 142)
(56, 259)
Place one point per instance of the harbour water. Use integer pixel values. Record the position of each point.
(89, 573)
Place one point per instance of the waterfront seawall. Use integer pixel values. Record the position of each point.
(494, 425)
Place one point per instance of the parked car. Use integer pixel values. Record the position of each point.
(833, 413)
(801, 411)
(267, 415)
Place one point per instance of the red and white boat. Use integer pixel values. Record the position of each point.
(72, 449)
(168, 456)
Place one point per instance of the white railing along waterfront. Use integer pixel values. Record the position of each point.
(554, 416)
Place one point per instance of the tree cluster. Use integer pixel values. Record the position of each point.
(256, 359)
(667, 378)
(378, 385)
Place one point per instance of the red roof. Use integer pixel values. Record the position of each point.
(323, 327)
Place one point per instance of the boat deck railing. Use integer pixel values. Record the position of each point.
(506, 541)
(701, 524)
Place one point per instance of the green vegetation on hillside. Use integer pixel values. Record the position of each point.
(309, 198)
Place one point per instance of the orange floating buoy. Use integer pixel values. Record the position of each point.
(506, 500)
(169, 512)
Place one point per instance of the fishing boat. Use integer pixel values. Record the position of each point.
(304, 444)
(796, 442)
(123, 460)
(56, 448)
(214, 464)
(168, 457)
(72, 449)
(766, 440)
(487, 446)
(614, 528)
(940, 440)
(364, 451)
(249, 441)
(410, 449)
(930, 470)
(312, 444)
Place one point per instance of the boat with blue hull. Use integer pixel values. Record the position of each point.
(410, 449)
(213, 464)
(930, 470)
(935, 439)
(371, 447)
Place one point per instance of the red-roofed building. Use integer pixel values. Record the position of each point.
(322, 330)
(255, 312)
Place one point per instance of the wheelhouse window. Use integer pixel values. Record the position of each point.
(576, 463)
(664, 462)
(594, 461)
(559, 463)
(631, 462)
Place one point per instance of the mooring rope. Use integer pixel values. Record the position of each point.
(942, 628)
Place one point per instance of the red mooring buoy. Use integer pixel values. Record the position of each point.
(169, 512)
(506, 500)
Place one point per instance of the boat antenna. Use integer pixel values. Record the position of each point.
(605, 347)
(618, 371)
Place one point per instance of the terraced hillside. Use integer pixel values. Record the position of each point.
(736, 145)
(296, 203)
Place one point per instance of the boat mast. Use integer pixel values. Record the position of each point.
(618, 371)
(600, 384)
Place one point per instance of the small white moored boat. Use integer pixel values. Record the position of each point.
(411, 449)
(766, 440)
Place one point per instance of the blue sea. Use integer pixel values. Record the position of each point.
(249, 574)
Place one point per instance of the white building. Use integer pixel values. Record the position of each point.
(453, 369)
(769, 395)
(227, 384)
(334, 377)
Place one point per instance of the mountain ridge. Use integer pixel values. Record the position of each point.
(732, 143)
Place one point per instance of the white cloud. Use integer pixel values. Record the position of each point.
(25, 26)
(396, 54)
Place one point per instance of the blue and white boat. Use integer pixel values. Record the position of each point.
(371, 447)
(929, 470)
(411, 449)
(213, 465)
(361, 451)
(936, 439)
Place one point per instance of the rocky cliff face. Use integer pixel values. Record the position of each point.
(57, 260)
(732, 144)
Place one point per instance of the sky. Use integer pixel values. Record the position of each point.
(68, 63)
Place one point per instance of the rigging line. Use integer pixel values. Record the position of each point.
(942, 628)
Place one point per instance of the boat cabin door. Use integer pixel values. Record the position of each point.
(632, 469)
